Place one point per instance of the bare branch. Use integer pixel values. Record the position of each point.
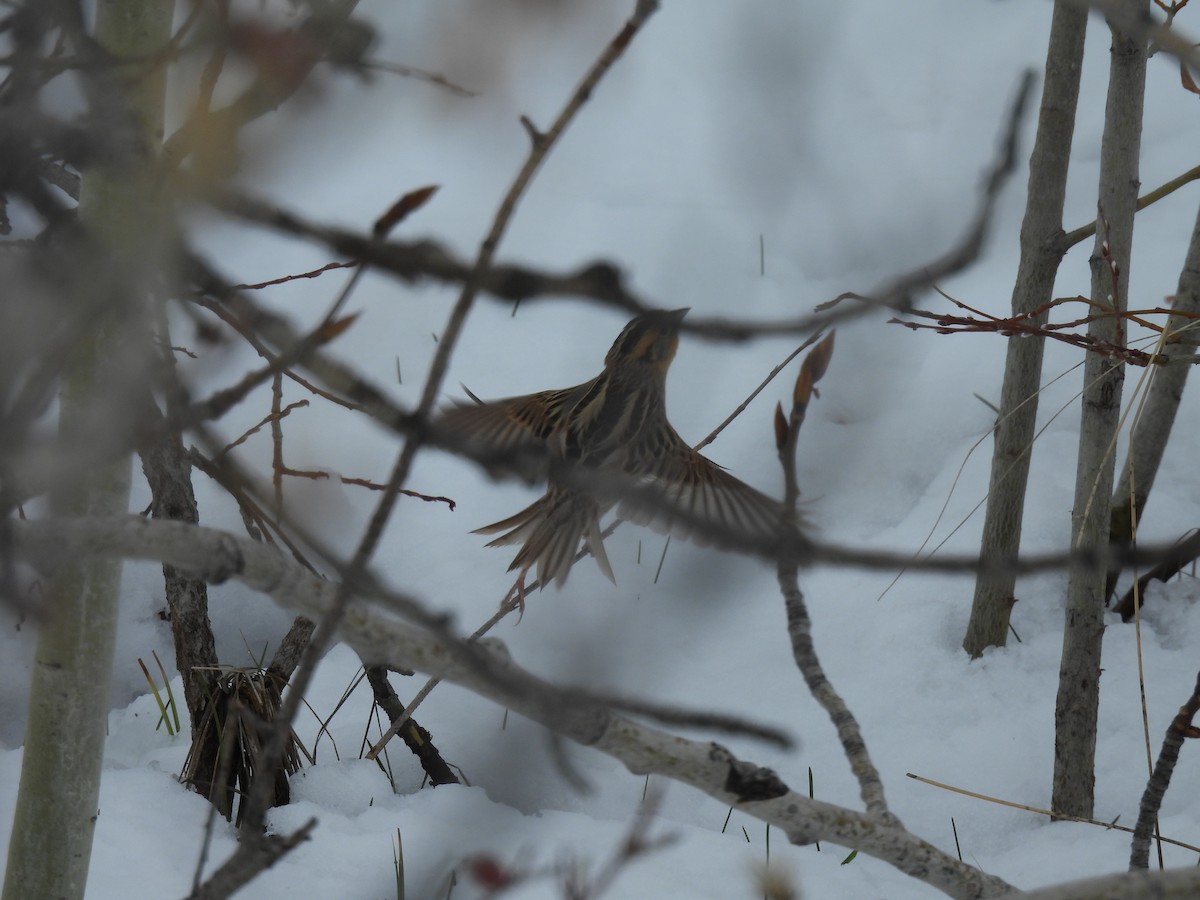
(1179, 884)
(252, 857)
(1181, 727)
(383, 640)
(787, 569)
(1081, 234)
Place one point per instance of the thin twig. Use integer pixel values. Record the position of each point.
(284, 279)
(799, 623)
(318, 475)
(741, 408)
(1079, 235)
(272, 418)
(229, 318)
(1109, 826)
(420, 74)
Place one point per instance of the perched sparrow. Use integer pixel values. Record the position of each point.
(615, 424)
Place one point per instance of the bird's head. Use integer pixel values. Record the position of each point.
(649, 340)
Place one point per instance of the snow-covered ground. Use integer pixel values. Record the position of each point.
(849, 139)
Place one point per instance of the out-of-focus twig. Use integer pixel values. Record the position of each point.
(602, 281)
(328, 624)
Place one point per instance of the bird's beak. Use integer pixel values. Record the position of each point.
(678, 314)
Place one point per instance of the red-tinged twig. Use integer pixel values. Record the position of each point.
(221, 401)
(317, 475)
(402, 209)
(1102, 309)
(314, 273)
(174, 348)
(420, 74)
(408, 203)
(274, 416)
(223, 313)
(1026, 325)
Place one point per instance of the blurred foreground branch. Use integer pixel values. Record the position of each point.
(416, 261)
(380, 638)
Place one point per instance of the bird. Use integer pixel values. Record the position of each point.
(615, 425)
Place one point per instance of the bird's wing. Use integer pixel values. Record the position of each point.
(694, 497)
(512, 424)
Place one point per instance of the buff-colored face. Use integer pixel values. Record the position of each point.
(650, 340)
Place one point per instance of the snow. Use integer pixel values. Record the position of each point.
(852, 138)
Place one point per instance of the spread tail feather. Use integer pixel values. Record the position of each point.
(549, 531)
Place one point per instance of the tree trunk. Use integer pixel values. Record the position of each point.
(168, 470)
(60, 772)
(1078, 700)
(1042, 248)
(1157, 415)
